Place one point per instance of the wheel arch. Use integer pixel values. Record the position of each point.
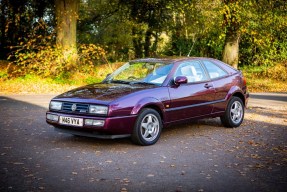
(236, 92)
(240, 95)
(156, 108)
(152, 103)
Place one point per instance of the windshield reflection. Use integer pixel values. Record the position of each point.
(140, 73)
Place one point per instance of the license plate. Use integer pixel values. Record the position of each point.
(71, 121)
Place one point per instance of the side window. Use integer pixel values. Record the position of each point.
(192, 70)
(213, 70)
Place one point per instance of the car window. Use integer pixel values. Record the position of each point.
(192, 70)
(141, 72)
(213, 70)
(158, 75)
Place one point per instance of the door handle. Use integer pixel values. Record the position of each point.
(208, 85)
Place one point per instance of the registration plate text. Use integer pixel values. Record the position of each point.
(71, 121)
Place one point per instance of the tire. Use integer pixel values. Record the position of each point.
(234, 113)
(147, 128)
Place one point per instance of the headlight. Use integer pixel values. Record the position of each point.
(98, 109)
(55, 105)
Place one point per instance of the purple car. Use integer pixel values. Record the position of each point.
(145, 95)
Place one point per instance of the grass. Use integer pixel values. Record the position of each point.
(266, 79)
(33, 84)
(266, 85)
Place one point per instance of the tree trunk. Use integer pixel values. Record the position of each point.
(230, 53)
(231, 49)
(155, 45)
(147, 43)
(3, 49)
(137, 43)
(66, 27)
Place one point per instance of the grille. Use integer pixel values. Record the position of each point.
(80, 108)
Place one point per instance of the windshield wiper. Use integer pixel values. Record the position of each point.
(120, 81)
(142, 83)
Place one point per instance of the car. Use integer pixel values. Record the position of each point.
(145, 95)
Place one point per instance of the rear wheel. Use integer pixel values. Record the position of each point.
(234, 113)
(147, 128)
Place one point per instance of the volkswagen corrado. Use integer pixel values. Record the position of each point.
(145, 95)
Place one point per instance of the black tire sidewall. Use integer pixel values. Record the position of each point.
(136, 136)
(227, 117)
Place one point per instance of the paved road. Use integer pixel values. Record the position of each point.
(269, 100)
(200, 156)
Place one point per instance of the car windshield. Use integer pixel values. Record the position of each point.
(141, 73)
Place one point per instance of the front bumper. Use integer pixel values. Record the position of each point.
(113, 125)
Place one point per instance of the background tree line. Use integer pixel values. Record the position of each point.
(49, 36)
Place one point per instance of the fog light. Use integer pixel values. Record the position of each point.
(52, 117)
(99, 123)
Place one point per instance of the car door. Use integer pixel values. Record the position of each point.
(221, 84)
(194, 98)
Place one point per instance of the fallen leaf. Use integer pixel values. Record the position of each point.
(18, 163)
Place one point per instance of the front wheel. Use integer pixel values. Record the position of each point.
(234, 113)
(147, 128)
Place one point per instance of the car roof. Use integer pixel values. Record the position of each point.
(168, 60)
(165, 60)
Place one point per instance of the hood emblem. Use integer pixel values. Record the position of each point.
(74, 107)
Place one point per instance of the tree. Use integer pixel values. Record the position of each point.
(66, 27)
(232, 24)
(194, 30)
(19, 19)
(106, 23)
(264, 33)
(151, 18)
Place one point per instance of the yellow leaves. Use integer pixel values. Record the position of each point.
(38, 56)
(253, 33)
(90, 55)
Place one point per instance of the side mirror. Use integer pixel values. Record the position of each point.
(180, 80)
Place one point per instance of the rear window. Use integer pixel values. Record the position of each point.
(213, 70)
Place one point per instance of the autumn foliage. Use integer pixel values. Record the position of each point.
(39, 56)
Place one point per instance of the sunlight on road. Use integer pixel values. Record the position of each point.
(272, 117)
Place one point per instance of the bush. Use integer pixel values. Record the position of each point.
(38, 56)
(276, 72)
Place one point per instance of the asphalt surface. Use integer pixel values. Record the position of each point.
(199, 156)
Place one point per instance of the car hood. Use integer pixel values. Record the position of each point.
(103, 92)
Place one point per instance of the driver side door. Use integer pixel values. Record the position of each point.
(193, 99)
